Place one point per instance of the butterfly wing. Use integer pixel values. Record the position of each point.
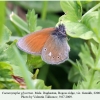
(56, 50)
(34, 42)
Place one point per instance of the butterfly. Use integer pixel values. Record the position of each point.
(50, 43)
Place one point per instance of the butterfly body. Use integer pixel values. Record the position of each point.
(50, 43)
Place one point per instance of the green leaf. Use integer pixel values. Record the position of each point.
(6, 79)
(83, 28)
(5, 71)
(91, 21)
(32, 20)
(74, 75)
(2, 18)
(6, 55)
(19, 22)
(11, 54)
(98, 28)
(72, 9)
(88, 67)
(86, 70)
(78, 30)
(14, 62)
(39, 84)
(34, 62)
(91, 82)
(6, 35)
(94, 48)
(91, 56)
(3, 56)
(10, 85)
(17, 71)
(86, 57)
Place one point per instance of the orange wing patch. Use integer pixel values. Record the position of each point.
(33, 43)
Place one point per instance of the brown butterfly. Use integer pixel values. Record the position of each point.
(50, 43)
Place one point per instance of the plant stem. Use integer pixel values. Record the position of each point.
(44, 10)
(2, 17)
(91, 80)
(24, 69)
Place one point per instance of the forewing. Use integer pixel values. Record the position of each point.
(34, 42)
(56, 50)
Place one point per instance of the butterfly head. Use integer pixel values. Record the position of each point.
(60, 31)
